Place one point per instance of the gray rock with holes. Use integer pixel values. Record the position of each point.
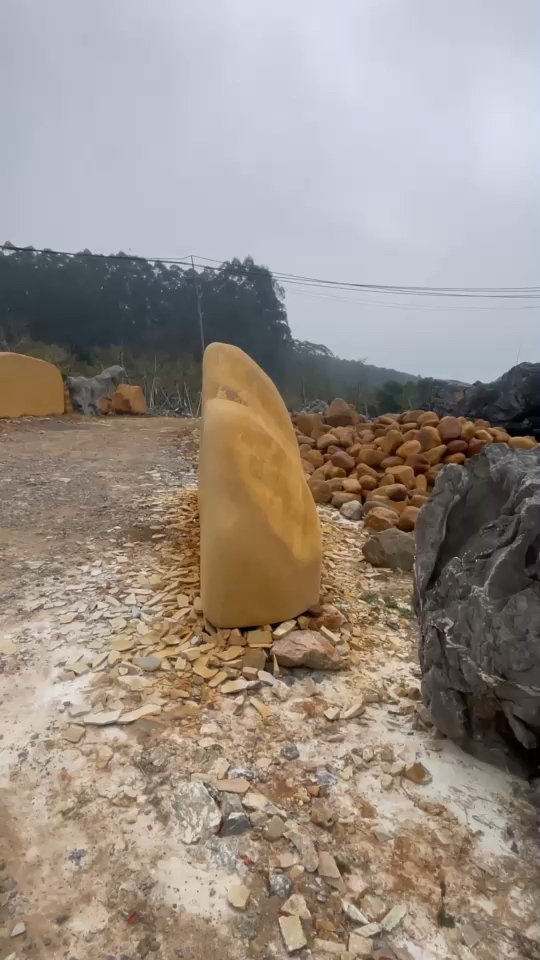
(477, 598)
(86, 393)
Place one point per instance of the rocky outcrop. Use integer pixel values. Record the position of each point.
(512, 401)
(477, 597)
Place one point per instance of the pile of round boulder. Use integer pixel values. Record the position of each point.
(384, 469)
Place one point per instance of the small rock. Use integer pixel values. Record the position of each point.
(355, 710)
(382, 835)
(290, 751)
(287, 860)
(283, 629)
(280, 885)
(197, 814)
(327, 866)
(397, 768)
(306, 648)
(18, 929)
(329, 946)
(352, 510)
(357, 885)
(238, 896)
(393, 917)
(235, 823)
(322, 815)
(149, 664)
(418, 773)
(310, 687)
(234, 686)
(371, 930)
(255, 801)
(103, 756)
(297, 871)
(390, 548)
(274, 829)
(306, 848)
(353, 913)
(74, 733)
(359, 946)
(103, 718)
(292, 933)
(296, 906)
(235, 785)
(386, 782)
(332, 713)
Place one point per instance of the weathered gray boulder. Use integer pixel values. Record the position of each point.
(512, 401)
(477, 598)
(86, 392)
(390, 548)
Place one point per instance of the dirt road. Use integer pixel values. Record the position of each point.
(92, 863)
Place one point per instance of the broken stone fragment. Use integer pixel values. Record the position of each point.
(149, 663)
(417, 773)
(292, 933)
(103, 756)
(290, 751)
(355, 710)
(235, 686)
(394, 917)
(353, 913)
(361, 947)
(198, 815)
(274, 829)
(306, 648)
(238, 895)
(283, 629)
(237, 785)
(148, 710)
(327, 866)
(329, 946)
(332, 713)
(296, 906)
(322, 815)
(235, 823)
(74, 733)
(306, 848)
(103, 718)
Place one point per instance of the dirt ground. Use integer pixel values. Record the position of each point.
(92, 866)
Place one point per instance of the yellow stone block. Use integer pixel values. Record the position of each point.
(260, 534)
(29, 387)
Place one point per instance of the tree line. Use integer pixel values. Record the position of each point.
(87, 311)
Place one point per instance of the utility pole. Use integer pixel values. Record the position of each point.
(199, 307)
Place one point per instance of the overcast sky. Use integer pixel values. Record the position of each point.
(374, 141)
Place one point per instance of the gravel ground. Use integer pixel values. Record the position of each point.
(92, 861)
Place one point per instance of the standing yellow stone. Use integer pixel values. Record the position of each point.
(29, 387)
(260, 535)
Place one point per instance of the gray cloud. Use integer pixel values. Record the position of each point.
(386, 141)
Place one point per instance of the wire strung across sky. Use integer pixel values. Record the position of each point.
(296, 280)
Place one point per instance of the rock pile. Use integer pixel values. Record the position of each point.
(169, 648)
(386, 468)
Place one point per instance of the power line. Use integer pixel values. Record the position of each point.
(520, 293)
(443, 308)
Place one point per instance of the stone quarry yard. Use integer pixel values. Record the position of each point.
(332, 789)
